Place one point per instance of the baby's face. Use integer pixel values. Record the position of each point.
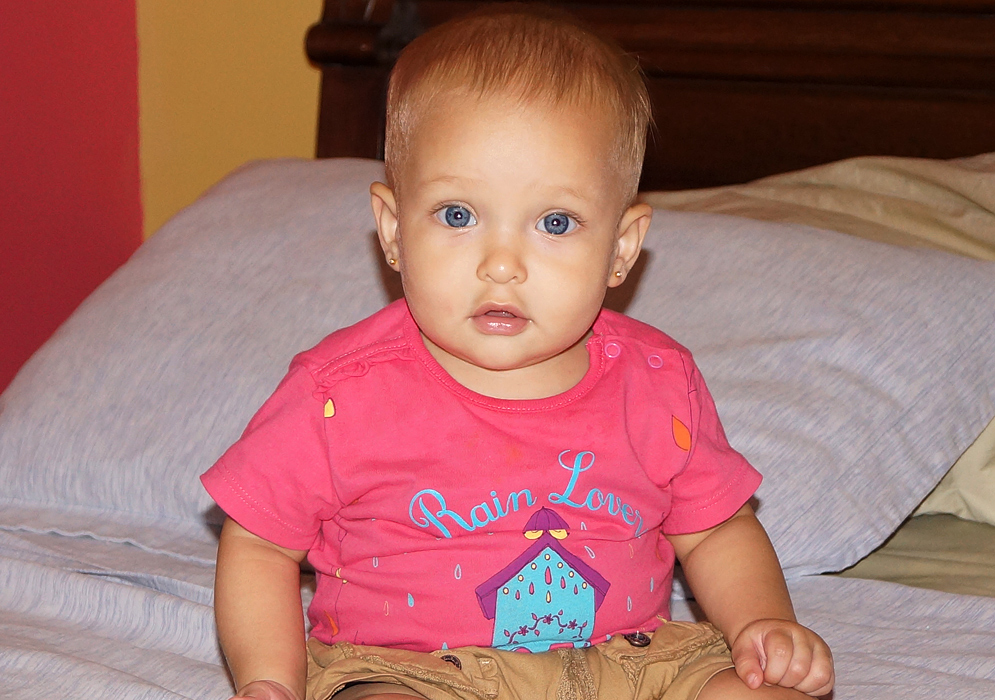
(508, 228)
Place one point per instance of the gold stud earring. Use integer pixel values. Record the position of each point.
(391, 261)
(618, 273)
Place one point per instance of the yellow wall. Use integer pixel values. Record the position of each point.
(221, 82)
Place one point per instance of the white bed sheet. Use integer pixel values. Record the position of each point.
(85, 618)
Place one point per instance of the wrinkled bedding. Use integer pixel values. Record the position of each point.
(84, 618)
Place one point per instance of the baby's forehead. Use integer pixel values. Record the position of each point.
(486, 118)
(498, 149)
(598, 115)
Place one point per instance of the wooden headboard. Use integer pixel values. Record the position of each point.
(740, 89)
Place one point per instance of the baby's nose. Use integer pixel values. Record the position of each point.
(502, 264)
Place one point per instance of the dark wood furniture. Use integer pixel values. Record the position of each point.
(740, 89)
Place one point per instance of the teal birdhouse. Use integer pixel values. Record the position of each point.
(547, 597)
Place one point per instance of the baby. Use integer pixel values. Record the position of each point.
(495, 464)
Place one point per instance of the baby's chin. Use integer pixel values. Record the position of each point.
(509, 353)
(499, 363)
(516, 364)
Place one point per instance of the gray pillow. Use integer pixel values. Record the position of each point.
(852, 374)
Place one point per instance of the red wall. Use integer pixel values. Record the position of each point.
(70, 207)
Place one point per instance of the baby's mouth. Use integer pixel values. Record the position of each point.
(492, 319)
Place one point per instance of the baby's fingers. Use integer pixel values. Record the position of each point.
(785, 654)
(784, 662)
(821, 677)
(797, 665)
(749, 662)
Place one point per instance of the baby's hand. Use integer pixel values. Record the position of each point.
(265, 690)
(778, 652)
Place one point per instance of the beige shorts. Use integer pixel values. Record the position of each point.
(672, 663)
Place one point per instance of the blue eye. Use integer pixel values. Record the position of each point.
(456, 216)
(557, 223)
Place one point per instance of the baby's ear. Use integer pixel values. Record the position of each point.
(385, 212)
(631, 232)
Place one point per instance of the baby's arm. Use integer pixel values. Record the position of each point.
(257, 603)
(736, 578)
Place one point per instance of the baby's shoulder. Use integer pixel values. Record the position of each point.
(619, 332)
(654, 376)
(350, 351)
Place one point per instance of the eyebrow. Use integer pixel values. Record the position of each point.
(450, 180)
(456, 179)
(572, 192)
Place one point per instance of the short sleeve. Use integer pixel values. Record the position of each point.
(276, 480)
(716, 479)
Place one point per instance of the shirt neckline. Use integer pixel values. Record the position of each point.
(595, 368)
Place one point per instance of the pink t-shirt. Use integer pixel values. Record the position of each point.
(436, 517)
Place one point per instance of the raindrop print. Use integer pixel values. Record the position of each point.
(532, 589)
(628, 603)
(590, 552)
(563, 582)
(549, 576)
(376, 562)
(411, 601)
(518, 595)
(458, 573)
(682, 436)
(549, 598)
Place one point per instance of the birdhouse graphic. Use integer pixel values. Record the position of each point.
(547, 597)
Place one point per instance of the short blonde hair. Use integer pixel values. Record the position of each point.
(535, 55)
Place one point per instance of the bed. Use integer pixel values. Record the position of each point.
(824, 169)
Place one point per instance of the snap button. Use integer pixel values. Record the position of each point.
(613, 349)
(454, 660)
(655, 361)
(637, 639)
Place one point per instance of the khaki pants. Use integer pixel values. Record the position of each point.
(676, 663)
